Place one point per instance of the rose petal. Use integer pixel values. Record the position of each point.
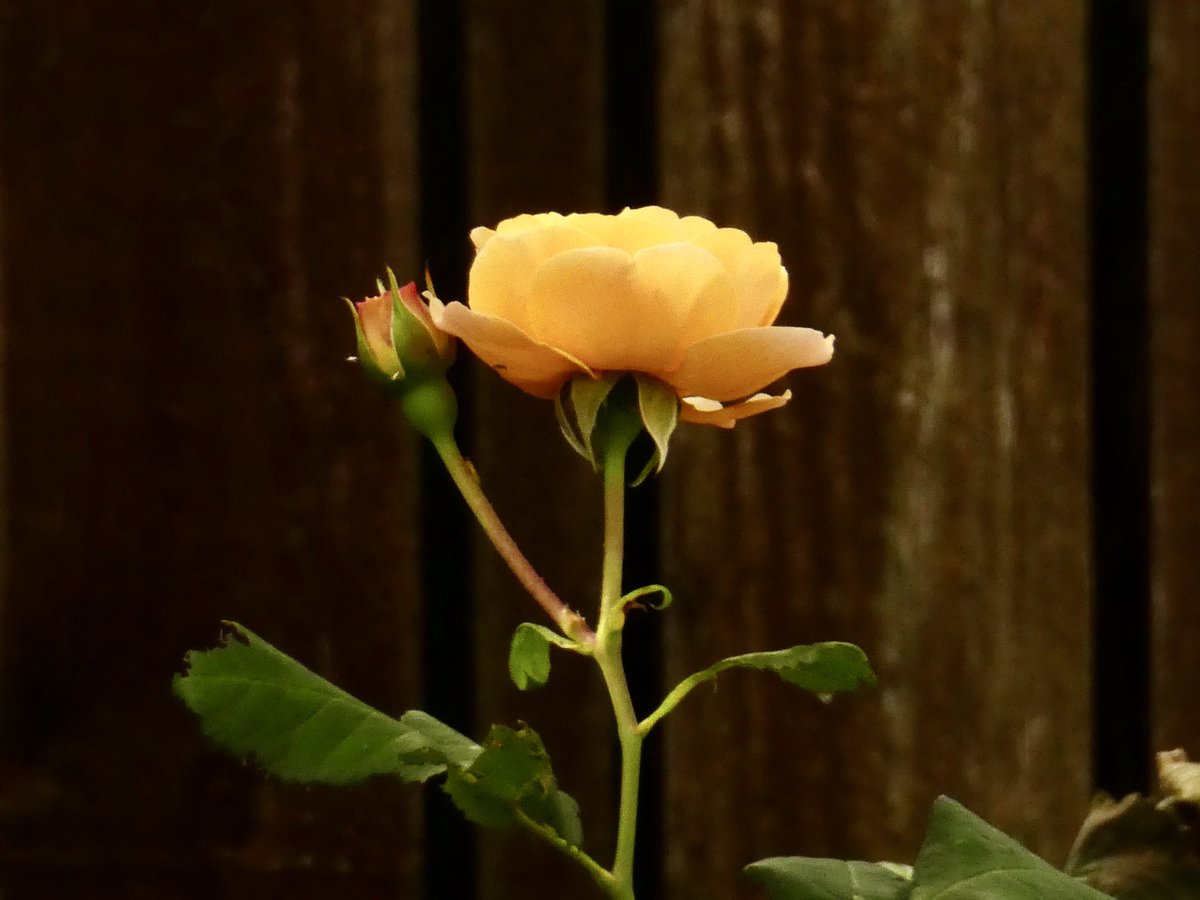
(738, 363)
(504, 268)
(531, 366)
(634, 234)
(375, 322)
(584, 303)
(703, 411)
(656, 214)
(692, 228)
(528, 222)
(598, 225)
(688, 293)
(726, 244)
(761, 282)
(480, 236)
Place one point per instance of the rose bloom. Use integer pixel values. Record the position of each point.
(679, 299)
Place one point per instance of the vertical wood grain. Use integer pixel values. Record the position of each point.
(537, 132)
(185, 197)
(925, 495)
(1174, 144)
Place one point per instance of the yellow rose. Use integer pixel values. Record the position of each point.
(644, 291)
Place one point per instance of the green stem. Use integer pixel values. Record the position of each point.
(609, 659)
(608, 656)
(466, 480)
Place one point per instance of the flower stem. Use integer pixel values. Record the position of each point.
(466, 480)
(608, 656)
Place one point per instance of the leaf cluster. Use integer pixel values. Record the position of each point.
(257, 702)
(962, 858)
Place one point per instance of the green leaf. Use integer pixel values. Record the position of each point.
(965, 858)
(254, 700)
(826, 668)
(529, 654)
(659, 408)
(512, 780)
(802, 878)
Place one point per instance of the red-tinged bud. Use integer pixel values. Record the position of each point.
(401, 347)
(397, 339)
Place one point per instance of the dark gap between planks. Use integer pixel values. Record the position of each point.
(450, 858)
(1118, 188)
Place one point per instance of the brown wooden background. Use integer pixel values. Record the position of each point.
(995, 488)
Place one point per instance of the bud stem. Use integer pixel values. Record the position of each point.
(571, 623)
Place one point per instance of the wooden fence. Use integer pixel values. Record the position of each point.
(995, 487)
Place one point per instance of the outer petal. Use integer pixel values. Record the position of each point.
(518, 358)
(738, 363)
(703, 411)
(504, 268)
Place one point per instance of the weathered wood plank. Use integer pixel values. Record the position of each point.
(926, 495)
(185, 198)
(1174, 144)
(537, 143)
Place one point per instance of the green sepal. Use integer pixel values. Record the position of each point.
(652, 465)
(567, 429)
(411, 339)
(658, 405)
(965, 858)
(390, 371)
(633, 596)
(529, 654)
(804, 878)
(510, 781)
(256, 701)
(587, 397)
(826, 668)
